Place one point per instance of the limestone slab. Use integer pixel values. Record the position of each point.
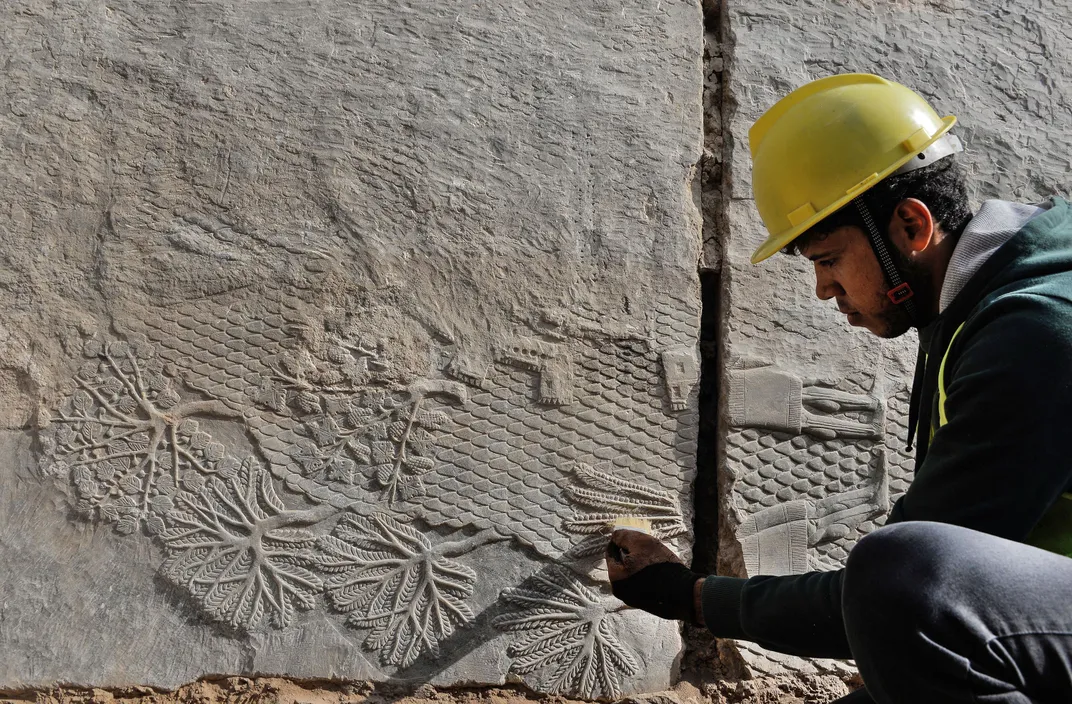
(334, 333)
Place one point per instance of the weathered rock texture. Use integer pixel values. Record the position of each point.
(334, 332)
(814, 413)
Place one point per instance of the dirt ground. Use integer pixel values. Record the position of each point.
(710, 674)
(271, 690)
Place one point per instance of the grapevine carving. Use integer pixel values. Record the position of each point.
(565, 636)
(136, 449)
(384, 437)
(354, 430)
(390, 578)
(130, 445)
(127, 441)
(602, 498)
(321, 363)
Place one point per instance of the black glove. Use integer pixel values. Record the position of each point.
(646, 574)
(666, 589)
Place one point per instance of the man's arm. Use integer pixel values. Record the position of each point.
(799, 614)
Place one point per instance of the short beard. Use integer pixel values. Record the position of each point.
(896, 322)
(896, 318)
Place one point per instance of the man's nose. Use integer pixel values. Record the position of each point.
(826, 287)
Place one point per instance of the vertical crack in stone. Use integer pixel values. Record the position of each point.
(702, 659)
(705, 491)
(712, 199)
(714, 148)
(727, 560)
(702, 662)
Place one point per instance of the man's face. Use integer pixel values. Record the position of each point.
(847, 270)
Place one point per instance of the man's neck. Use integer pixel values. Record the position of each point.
(937, 264)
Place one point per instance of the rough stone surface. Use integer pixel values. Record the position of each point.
(814, 413)
(334, 332)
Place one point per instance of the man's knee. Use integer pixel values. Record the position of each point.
(888, 547)
(888, 574)
(886, 595)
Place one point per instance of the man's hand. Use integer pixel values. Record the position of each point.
(630, 551)
(647, 575)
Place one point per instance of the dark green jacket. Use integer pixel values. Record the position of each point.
(999, 462)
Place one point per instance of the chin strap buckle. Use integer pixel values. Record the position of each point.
(900, 294)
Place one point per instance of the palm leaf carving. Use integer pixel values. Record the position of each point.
(229, 547)
(600, 498)
(391, 579)
(565, 637)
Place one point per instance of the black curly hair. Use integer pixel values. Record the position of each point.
(941, 186)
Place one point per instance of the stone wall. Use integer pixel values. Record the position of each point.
(814, 413)
(334, 333)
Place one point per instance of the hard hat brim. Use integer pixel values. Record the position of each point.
(776, 243)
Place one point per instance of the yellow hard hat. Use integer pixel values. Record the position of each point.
(829, 141)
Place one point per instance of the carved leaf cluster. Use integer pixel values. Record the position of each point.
(565, 636)
(600, 498)
(389, 578)
(322, 365)
(124, 441)
(353, 432)
(222, 549)
(384, 439)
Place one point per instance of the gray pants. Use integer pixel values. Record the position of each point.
(937, 613)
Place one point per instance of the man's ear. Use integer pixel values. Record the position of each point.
(912, 227)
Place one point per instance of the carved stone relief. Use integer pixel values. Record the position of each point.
(816, 465)
(329, 328)
(370, 495)
(565, 636)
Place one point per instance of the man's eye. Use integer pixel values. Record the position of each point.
(827, 262)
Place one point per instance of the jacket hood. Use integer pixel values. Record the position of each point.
(995, 223)
(1041, 247)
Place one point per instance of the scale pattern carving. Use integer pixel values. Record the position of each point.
(774, 468)
(495, 452)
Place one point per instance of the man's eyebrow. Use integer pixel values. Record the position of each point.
(823, 253)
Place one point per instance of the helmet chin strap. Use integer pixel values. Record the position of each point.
(900, 293)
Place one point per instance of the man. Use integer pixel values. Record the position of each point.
(966, 596)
